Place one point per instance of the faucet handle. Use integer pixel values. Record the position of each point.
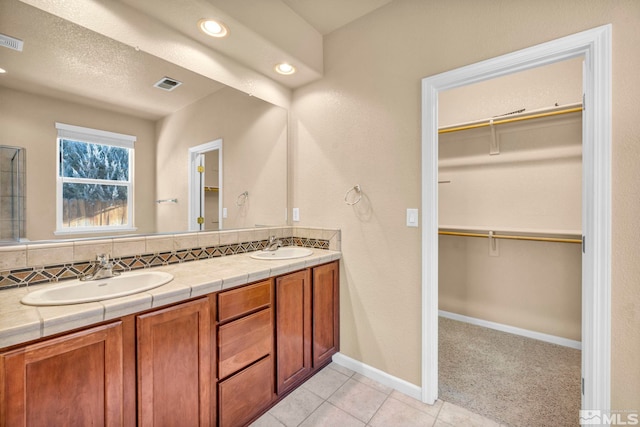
(102, 258)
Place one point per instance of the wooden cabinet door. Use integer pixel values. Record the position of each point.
(293, 328)
(245, 394)
(174, 366)
(326, 312)
(73, 380)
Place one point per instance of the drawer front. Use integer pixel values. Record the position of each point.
(246, 394)
(236, 302)
(244, 341)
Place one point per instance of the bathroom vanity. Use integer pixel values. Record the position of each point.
(220, 357)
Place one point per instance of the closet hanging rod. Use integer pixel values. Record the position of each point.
(504, 236)
(573, 108)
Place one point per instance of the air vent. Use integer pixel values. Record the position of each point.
(167, 83)
(11, 43)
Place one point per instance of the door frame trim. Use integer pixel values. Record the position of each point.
(595, 46)
(195, 193)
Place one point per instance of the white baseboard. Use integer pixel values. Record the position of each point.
(376, 374)
(513, 330)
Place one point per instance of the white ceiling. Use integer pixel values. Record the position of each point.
(97, 63)
(329, 15)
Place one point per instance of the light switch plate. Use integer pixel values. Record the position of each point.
(224, 212)
(412, 217)
(296, 214)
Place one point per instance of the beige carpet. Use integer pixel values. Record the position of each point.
(512, 379)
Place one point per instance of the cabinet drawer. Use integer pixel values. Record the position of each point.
(246, 394)
(236, 302)
(244, 341)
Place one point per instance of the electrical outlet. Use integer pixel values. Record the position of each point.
(296, 214)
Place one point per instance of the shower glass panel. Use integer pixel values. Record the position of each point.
(12, 193)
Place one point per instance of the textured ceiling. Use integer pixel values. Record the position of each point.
(329, 15)
(98, 64)
(61, 59)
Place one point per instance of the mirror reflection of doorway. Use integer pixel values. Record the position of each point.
(211, 191)
(205, 187)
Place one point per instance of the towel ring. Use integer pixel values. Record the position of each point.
(242, 199)
(358, 190)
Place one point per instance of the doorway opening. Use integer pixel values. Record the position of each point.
(206, 211)
(595, 46)
(509, 208)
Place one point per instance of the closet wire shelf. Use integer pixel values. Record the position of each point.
(554, 111)
(510, 237)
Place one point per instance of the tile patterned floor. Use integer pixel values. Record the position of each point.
(337, 396)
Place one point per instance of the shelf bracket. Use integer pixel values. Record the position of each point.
(493, 245)
(494, 147)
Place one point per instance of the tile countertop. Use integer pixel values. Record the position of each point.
(20, 323)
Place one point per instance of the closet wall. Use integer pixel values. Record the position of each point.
(211, 191)
(530, 186)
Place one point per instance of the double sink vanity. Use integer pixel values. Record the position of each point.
(211, 342)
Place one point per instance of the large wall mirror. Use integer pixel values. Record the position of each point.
(69, 74)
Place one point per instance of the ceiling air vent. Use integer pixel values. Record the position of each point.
(167, 83)
(11, 43)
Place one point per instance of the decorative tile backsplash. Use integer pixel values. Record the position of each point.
(51, 262)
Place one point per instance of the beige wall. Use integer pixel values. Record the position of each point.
(28, 121)
(532, 89)
(254, 155)
(533, 185)
(360, 124)
(530, 285)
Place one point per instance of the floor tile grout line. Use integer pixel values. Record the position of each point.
(342, 385)
(388, 395)
(348, 413)
(278, 419)
(437, 416)
(340, 372)
(314, 393)
(378, 410)
(353, 377)
(327, 399)
(311, 413)
(439, 409)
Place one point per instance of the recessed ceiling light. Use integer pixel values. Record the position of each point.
(213, 28)
(285, 69)
(2, 71)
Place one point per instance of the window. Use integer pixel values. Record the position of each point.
(94, 180)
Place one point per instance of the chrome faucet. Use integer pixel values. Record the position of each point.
(103, 269)
(273, 244)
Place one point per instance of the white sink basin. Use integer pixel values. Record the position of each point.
(76, 292)
(287, 252)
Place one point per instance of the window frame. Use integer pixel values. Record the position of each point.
(101, 137)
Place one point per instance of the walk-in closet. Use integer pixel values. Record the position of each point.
(510, 213)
